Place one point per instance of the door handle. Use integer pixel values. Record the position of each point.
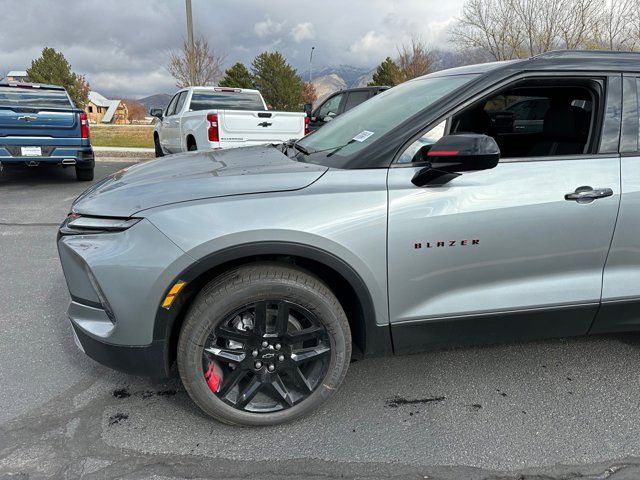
(588, 194)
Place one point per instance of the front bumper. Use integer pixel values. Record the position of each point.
(146, 360)
(117, 282)
(82, 157)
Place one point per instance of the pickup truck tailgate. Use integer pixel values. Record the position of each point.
(260, 127)
(15, 122)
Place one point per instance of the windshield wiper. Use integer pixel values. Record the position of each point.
(333, 150)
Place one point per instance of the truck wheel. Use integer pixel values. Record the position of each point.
(84, 174)
(191, 145)
(263, 344)
(158, 148)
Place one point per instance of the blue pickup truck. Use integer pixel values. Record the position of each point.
(39, 124)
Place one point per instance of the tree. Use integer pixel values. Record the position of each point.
(309, 94)
(237, 76)
(388, 73)
(414, 59)
(135, 110)
(278, 81)
(200, 66)
(508, 29)
(54, 69)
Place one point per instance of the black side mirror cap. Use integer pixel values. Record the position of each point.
(307, 109)
(454, 154)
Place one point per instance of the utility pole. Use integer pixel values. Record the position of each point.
(190, 44)
(311, 62)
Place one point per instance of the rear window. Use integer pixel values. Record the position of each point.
(33, 98)
(226, 101)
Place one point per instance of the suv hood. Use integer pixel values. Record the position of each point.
(193, 176)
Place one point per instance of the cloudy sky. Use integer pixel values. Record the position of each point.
(122, 45)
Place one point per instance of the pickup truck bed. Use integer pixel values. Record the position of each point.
(201, 118)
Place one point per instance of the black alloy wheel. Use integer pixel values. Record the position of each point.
(266, 357)
(263, 344)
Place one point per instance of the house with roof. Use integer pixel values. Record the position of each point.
(17, 76)
(100, 109)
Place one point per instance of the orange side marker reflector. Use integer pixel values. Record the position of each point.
(168, 300)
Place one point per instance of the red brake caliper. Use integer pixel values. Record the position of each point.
(213, 377)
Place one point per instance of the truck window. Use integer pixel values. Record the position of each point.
(203, 100)
(33, 98)
(180, 102)
(171, 108)
(355, 98)
(330, 107)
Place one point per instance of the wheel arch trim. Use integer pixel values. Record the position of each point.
(377, 340)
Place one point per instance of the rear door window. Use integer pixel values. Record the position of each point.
(355, 98)
(212, 100)
(16, 97)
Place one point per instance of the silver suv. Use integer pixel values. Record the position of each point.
(423, 218)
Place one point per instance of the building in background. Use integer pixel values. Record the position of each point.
(17, 76)
(102, 110)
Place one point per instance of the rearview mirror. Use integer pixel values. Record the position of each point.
(454, 154)
(156, 112)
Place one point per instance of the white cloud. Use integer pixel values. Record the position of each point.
(303, 31)
(268, 27)
(371, 46)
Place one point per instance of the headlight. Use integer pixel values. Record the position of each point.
(79, 224)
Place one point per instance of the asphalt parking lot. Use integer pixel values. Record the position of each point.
(547, 409)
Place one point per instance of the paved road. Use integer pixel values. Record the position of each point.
(477, 413)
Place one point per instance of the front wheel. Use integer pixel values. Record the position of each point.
(263, 344)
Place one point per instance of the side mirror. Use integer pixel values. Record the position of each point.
(454, 154)
(307, 109)
(156, 112)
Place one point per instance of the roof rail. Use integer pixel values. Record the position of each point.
(579, 53)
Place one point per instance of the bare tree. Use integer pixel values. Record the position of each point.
(414, 59)
(507, 29)
(489, 25)
(615, 25)
(135, 110)
(200, 66)
(578, 23)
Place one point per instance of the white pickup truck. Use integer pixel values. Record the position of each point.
(202, 118)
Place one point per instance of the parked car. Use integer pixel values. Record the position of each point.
(340, 102)
(404, 225)
(39, 124)
(203, 118)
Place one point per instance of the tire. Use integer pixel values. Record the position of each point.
(310, 311)
(191, 145)
(158, 149)
(84, 174)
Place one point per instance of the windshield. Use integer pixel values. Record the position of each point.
(358, 128)
(33, 98)
(202, 100)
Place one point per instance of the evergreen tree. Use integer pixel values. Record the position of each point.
(237, 76)
(278, 81)
(54, 69)
(387, 74)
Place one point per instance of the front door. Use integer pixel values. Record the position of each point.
(512, 252)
